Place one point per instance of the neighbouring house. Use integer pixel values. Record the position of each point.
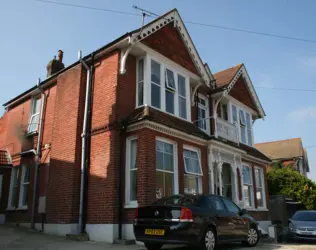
(289, 152)
(138, 119)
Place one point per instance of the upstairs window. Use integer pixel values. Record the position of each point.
(202, 113)
(140, 82)
(242, 120)
(170, 90)
(182, 97)
(249, 131)
(155, 84)
(34, 115)
(235, 114)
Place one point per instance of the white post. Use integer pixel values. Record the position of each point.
(235, 185)
(212, 178)
(242, 186)
(220, 168)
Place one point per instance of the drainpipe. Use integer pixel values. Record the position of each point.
(84, 142)
(38, 152)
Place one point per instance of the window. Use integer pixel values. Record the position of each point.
(13, 187)
(202, 114)
(247, 188)
(165, 169)
(224, 111)
(235, 115)
(170, 90)
(231, 207)
(25, 181)
(242, 126)
(131, 171)
(193, 172)
(34, 115)
(182, 97)
(155, 85)
(140, 82)
(259, 177)
(249, 132)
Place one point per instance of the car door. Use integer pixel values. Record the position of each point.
(221, 218)
(239, 223)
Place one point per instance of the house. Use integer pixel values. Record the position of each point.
(138, 119)
(289, 152)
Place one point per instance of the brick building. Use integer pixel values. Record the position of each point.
(154, 122)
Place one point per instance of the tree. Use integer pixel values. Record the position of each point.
(287, 181)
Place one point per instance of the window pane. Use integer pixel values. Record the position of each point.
(191, 162)
(247, 195)
(246, 175)
(201, 120)
(25, 195)
(258, 177)
(168, 162)
(140, 93)
(26, 174)
(225, 112)
(249, 137)
(248, 122)
(181, 85)
(169, 102)
(182, 107)
(259, 195)
(155, 95)
(202, 101)
(140, 70)
(37, 106)
(159, 146)
(170, 79)
(164, 184)
(133, 187)
(191, 184)
(243, 134)
(234, 110)
(168, 184)
(231, 207)
(159, 160)
(168, 148)
(133, 154)
(33, 124)
(155, 72)
(242, 117)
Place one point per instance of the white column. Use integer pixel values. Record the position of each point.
(210, 171)
(220, 168)
(235, 175)
(242, 186)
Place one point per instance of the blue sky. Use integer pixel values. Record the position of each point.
(32, 32)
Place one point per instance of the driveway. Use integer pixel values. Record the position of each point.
(21, 238)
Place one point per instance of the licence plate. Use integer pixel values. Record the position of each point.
(159, 232)
(307, 233)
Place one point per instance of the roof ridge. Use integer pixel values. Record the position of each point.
(233, 67)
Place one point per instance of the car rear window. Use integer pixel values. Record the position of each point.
(177, 200)
(305, 216)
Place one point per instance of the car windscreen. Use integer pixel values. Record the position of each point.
(177, 200)
(305, 216)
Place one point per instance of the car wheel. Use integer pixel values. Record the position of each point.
(153, 246)
(252, 237)
(209, 240)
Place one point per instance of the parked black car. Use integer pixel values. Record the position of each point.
(302, 226)
(195, 220)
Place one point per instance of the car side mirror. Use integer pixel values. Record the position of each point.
(243, 211)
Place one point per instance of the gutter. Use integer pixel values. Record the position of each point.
(38, 153)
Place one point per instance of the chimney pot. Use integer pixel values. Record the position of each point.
(60, 55)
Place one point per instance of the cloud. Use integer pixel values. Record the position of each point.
(264, 81)
(303, 114)
(309, 61)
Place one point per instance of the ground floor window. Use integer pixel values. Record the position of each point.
(193, 171)
(13, 187)
(260, 195)
(131, 170)
(165, 169)
(248, 186)
(25, 182)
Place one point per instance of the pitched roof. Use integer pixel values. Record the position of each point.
(283, 149)
(5, 159)
(224, 77)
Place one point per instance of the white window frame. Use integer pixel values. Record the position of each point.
(23, 185)
(165, 64)
(128, 202)
(175, 162)
(189, 174)
(261, 171)
(33, 115)
(171, 90)
(207, 113)
(14, 172)
(167, 79)
(137, 80)
(252, 205)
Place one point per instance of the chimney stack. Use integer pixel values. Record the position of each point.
(55, 65)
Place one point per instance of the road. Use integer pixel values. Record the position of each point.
(20, 238)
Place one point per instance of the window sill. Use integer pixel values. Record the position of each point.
(29, 134)
(131, 205)
(22, 208)
(10, 209)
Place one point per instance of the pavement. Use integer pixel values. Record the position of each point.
(12, 237)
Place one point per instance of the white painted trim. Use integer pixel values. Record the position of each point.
(227, 148)
(167, 130)
(175, 162)
(128, 202)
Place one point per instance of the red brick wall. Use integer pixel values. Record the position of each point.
(64, 170)
(168, 42)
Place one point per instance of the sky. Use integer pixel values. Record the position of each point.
(32, 32)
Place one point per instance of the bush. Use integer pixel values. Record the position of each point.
(287, 181)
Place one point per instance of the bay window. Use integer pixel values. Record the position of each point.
(193, 171)
(163, 87)
(260, 194)
(166, 176)
(131, 170)
(34, 115)
(248, 186)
